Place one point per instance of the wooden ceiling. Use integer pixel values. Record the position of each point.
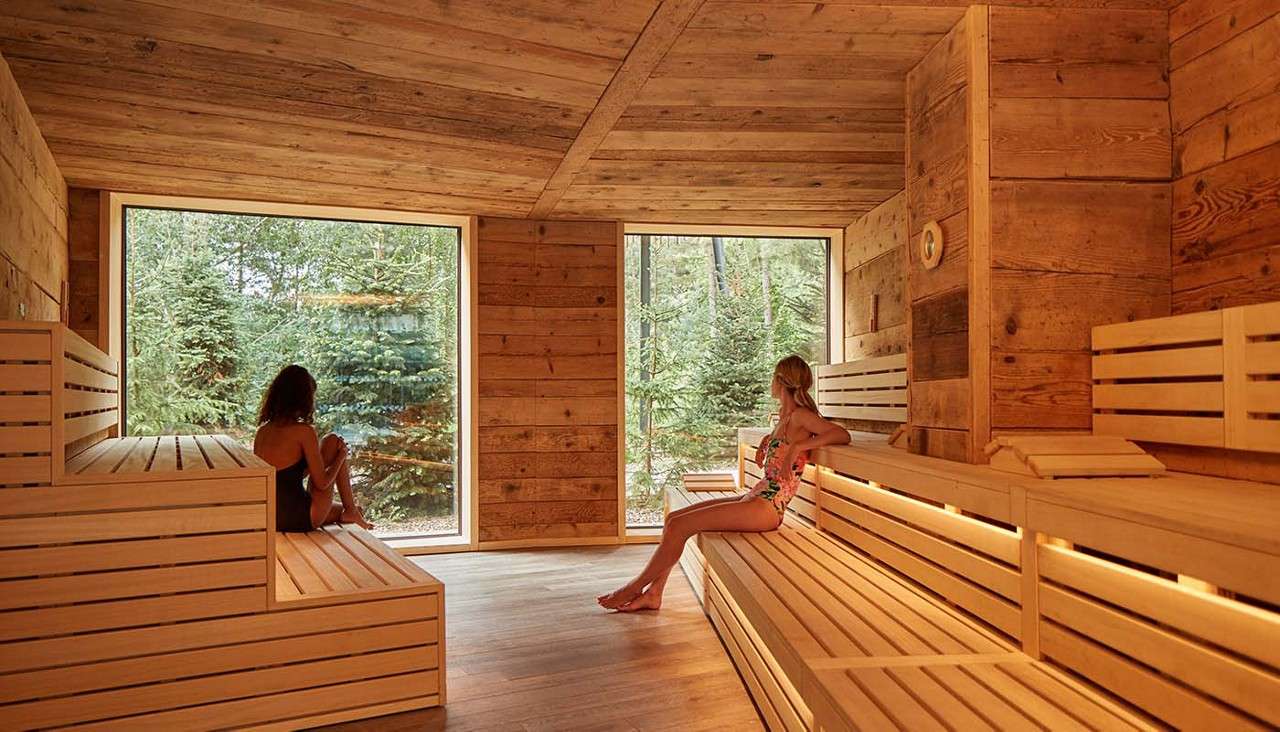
(644, 110)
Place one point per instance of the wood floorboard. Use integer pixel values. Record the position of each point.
(529, 650)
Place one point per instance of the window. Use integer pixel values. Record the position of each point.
(707, 318)
(216, 303)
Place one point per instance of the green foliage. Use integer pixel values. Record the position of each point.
(218, 303)
(706, 367)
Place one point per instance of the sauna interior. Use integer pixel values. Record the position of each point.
(541, 257)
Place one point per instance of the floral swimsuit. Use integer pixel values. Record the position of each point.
(779, 483)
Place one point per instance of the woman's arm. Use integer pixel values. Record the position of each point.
(822, 431)
(321, 478)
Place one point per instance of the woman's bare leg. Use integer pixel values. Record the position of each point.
(703, 504)
(750, 515)
(351, 513)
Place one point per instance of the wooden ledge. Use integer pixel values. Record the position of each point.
(337, 564)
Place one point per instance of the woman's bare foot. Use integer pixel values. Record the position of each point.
(648, 600)
(619, 597)
(355, 516)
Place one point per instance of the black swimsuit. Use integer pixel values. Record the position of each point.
(293, 500)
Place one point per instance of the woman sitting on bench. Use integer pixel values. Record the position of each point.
(783, 454)
(287, 439)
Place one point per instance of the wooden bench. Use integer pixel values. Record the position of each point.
(932, 594)
(144, 586)
(1206, 379)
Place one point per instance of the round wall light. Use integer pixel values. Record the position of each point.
(931, 245)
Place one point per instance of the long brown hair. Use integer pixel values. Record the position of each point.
(794, 374)
(291, 397)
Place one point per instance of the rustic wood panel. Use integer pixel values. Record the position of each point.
(548, 411)
(1080, 138)
(940, 337)
(83, 251)
(33, 213)
(881, 230)
(461, 85)
(1041, 390)
(1058, 52)
(1039, 226)
(1054, 311)
(881, 280)
(1225, 106)
(784, 114)
(1077, 94)
(885, 342)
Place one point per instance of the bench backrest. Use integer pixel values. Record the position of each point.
(1203, 379)
(1117, 605)
(973, 562)
(58, 396)
(870, 389)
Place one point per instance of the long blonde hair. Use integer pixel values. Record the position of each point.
(794, 374)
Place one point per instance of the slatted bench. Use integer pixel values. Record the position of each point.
(928, 592)
(142, 584)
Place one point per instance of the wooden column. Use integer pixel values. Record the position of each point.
(1038, 140)
(548, 382)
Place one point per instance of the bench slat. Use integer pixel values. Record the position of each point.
(387, 574)
(190, 455)
(303, 574)
(166, 457)
(916, 627)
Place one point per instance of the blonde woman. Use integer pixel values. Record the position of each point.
(783, 454)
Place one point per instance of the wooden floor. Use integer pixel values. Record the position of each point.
(529, 649)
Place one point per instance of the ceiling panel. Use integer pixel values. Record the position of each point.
(765, 112)
(721, 111)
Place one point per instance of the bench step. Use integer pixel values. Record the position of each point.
(828, 638)
(340, 562)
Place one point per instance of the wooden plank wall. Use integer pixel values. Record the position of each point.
(874, 266)
(938, 190)
(1079, 201)
(1224, 102)
(1225, 106)
(33, 214)
(82, 243)
(548, 380)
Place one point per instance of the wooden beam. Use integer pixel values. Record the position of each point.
(659, 34)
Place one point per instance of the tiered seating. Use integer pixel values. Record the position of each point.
(144, 585)
(932, 594)
(829, 637)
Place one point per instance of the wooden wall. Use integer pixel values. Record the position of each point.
(1225, 106)
(33, 214)
(83, 234)
(1039, 140)
(938, 102)
(1079, 201)
(548, 380)
(875, 266)
(1224, 59)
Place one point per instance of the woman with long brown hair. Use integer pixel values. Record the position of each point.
(287, 440)
(782, 454)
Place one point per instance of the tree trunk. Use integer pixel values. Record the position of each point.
(646, 345)
(766, 289)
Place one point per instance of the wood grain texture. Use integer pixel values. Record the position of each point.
(881, 230)
(1041, 226)
(1060, 52)
(1227, 202)
(548, 411)
(1080, 138)
(763, 105)
(33, 213)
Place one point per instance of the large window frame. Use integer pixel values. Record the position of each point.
(835, 320)
(112, 278)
